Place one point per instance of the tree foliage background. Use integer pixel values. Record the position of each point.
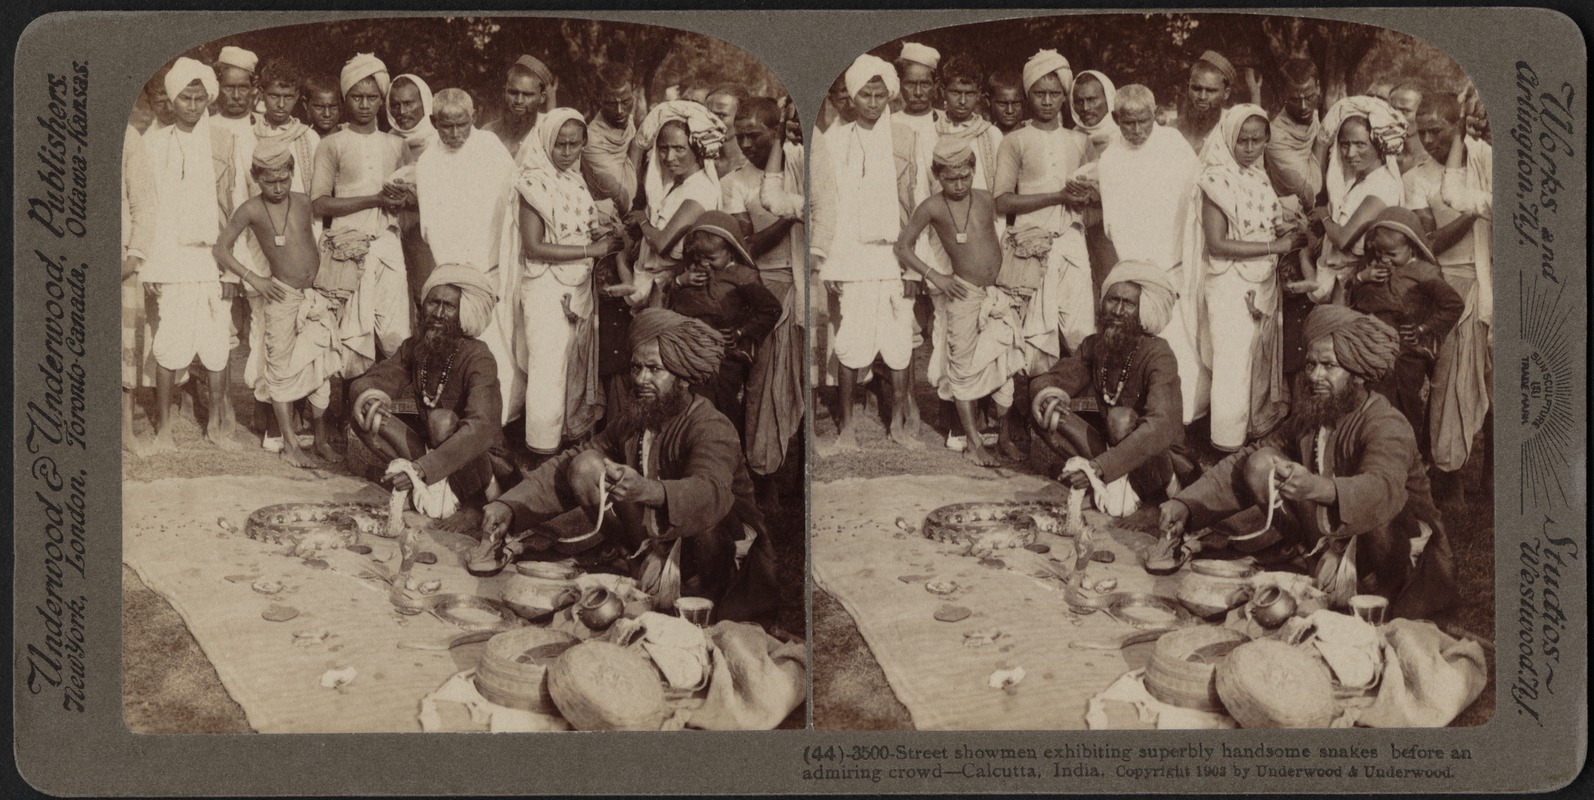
(1157, 49)
(473, 53)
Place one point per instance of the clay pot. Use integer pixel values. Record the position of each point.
(1272, 606)
(599, 608)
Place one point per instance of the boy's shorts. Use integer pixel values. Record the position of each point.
(876, 320)
(194, 321)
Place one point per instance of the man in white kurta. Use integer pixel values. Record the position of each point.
(1147, 193)
(462, 184)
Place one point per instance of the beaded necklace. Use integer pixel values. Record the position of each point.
(429, 399)
(1123, 376)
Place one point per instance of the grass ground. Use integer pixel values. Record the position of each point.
(850, 691)
(169, 686)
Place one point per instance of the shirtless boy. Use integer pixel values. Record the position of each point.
(982, 323)
(300, 357)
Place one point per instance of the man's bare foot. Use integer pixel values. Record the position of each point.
(296, 457)
(1011, 451)
(467, 519)
(901, 435)
(218, 436)
(846, 441)
(132, 444)
(328, 453)
(162, 443)
(977, 453)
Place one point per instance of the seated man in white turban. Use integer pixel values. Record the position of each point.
(455, 459)
(1114, 408)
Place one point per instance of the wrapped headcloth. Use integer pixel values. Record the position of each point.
(362, 66)
(724, 226)
(185, 71)
(1363, 344)
(1222, 64)
(920, 54)
(689, 348)
(273, 154)
(476, 294)
(1045, 63)
(536, 68)
(953, 151)
(1157, 294)
(238, 57)
(1404, 221)
(866, 68)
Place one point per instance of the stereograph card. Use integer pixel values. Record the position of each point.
(1196, 341)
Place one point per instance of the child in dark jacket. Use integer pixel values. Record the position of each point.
(720, 286)
(1401, 284)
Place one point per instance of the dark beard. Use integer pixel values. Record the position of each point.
(640, 413)
(1118, 341)
(1312, 412)
(1201, 120)
(436, 342)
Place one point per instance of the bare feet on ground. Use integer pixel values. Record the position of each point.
(466, 520)
(846, 441)
(296, 457)
(977, 453)
(328, 453)
(220, 435)
(1011, 451)
(902, 434)
(134, 445)
(162, 443)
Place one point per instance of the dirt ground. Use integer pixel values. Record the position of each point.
(169, 686)
(850, 690)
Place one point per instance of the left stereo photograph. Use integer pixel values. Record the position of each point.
(462, 382)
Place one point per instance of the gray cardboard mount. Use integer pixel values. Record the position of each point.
(1524, 61)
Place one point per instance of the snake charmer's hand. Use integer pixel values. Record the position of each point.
(1040, 407)
(1077, 479)
(496, 518)
(1172, 516)
(399, 481)
(1297, 483)
(626, 485)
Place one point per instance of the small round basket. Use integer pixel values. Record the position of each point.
(513, 671)
(964, 523)
(1269, 684)
(599, 686)
(1183, 668)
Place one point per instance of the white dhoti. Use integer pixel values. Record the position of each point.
(876, 320)
(1063, 311)
(1236, 345)
(193, 323)
(548, 353)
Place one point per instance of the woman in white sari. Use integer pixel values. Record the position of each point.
(1363, 179)
(681, 183)
(560, 234)
(1245, 234)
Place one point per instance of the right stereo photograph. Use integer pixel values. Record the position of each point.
(1151, 367)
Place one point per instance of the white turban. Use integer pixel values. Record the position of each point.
(920, 54)
(185, 71)
(238, 57)
(476, 295)
(362, 66)
(1045, 63)
(866, 68)
(1157, 294)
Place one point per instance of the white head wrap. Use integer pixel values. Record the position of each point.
(866, 68)
(185, 71)
(1045, 63)
(920, 54)
(238, 57)
(423, 128)
(1157, 294)
(362, 66)
(1103, 131)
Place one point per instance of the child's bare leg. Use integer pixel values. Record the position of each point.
(130, 443)
(323, 445)
(291, 451)
(1006, 435)
(222, 422)
(904, 412)
(164, 378)
(975, 451)
(846, 431)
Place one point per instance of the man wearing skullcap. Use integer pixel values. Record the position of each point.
(192, 161)
(452, 458)
(293, 330)
(916, 70)
(527, 89)
(670, 469)
(881, 173)
(1212, 77)
(362, 259)
(1036, 168)
(1113, 407)
(1354, 510)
